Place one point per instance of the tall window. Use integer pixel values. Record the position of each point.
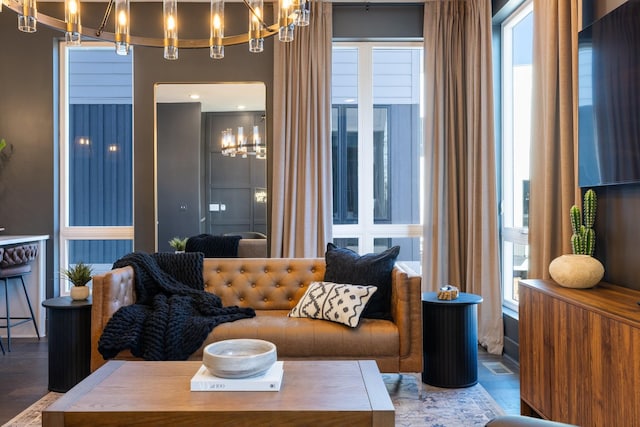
(517, 58)
(377, 147)
(96, 150)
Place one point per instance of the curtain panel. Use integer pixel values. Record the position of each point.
(302, 210)
(554, 145)
(461, 240)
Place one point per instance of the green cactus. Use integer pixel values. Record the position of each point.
(583, 239)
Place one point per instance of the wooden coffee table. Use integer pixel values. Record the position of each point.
(319, 393)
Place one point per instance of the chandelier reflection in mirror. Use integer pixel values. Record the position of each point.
(290, 13)
(233, 145)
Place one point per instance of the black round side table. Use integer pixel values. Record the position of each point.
(69, 332)
(450, 340)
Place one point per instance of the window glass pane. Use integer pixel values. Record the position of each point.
(347, 242)
(351, 168)
(516, 117)
(99, 253)
(410, 250)
(397, 135)
(100, 151)
(381, 193)
(344, 135)
(521, 87)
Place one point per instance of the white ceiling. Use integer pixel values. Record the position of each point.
(215, 96)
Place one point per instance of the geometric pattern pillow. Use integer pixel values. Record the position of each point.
(335, 302)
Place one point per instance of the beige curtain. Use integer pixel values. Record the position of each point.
(301, 213)
(554, 132)
(461, 232)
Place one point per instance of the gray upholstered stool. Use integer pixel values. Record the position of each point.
(15, 262)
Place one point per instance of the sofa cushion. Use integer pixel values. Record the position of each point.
(308, 338)
(336, 302)
(346, 266)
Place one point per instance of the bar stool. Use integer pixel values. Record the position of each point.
(14, 264)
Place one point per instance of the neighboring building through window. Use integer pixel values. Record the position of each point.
(96, 156)
(377, 147)
(517, 59)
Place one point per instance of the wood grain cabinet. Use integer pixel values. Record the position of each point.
(580, 353)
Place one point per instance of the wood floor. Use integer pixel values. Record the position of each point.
(23, 377)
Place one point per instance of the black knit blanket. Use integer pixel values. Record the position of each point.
(214, 246)
(173, 314)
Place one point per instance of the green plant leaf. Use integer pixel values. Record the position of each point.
(179, 244)
(79, 274)
(3, 144)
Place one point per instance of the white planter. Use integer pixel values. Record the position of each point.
(576, 271)
(79, 293)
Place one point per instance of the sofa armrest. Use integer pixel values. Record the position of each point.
(111, 291)
(406, 309)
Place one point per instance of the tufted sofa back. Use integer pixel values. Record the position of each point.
(261, 283)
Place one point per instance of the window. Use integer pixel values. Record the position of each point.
(517, 58)
(96, 152)
(377, 147)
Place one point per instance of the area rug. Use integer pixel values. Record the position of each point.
(437, 407)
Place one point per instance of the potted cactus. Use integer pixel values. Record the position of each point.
(583, 239)
(580, 269)
(79, 275)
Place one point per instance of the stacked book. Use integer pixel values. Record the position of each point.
(271, 380)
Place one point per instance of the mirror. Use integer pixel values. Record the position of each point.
(201, 188)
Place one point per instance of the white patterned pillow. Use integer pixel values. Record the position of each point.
(335, 302)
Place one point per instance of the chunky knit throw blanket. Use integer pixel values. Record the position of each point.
(173, 314)
(214, 246)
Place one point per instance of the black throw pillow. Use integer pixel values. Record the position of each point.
(345, 266)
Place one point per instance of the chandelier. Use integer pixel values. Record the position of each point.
(290, 13)
(233, 145)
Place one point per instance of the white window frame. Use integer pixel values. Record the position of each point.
(366, 231)
(510, 235)
(69, 233)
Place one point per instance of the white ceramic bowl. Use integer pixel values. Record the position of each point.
(239, 358)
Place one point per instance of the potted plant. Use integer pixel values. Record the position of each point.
(178, 244)
(79, 275)
(580, 269)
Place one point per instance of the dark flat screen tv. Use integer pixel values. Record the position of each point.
(609, 98)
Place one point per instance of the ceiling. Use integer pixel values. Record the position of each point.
(215, 96)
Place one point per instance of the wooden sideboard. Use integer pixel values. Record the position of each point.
(580, 353)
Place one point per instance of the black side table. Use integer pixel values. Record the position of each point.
(69, 332)
(450, 340)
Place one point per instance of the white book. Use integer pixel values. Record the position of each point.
(271, 380)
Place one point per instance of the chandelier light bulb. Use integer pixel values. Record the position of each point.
(72, 18)
(122, 27)
(302, 9)
(285, 22)
(170, 9)
(256, 42)
(216, 48)
(29, 18)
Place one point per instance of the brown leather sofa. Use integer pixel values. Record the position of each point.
(272, 286)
